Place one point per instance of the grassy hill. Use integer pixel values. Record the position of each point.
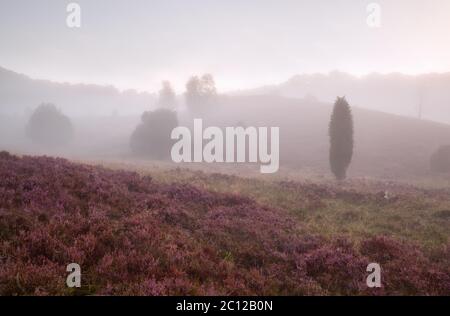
(393, 93)
(386, 145)
(20, 94)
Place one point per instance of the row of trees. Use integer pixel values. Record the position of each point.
(201, 93)
(49, 127)
(151, 137)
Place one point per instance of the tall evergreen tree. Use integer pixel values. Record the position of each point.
(341, 138)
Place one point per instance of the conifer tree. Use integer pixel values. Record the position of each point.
(341, 138)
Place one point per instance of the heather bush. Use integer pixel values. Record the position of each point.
(337, 268)
(49, 127)
(151, 137)
(406, 269)
(134, 236)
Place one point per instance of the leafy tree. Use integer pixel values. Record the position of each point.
(49, 127)
(440, 160)
(151, 137)
(192, 94)
(201, 93)
(167, 96)
(341, 138)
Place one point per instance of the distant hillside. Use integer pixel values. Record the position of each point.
(386, 145)
(392, 93)
(20, 94)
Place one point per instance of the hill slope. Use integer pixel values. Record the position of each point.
(20, 93)
(392, 93)
(386, 145)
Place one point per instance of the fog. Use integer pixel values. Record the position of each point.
(273, 63)
(245, 44)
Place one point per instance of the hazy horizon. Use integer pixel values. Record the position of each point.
(232, 90)
(244, 44)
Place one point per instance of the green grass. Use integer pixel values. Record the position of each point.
(418, 213)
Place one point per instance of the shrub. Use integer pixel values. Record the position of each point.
(341, 138)
(440, 160)
(49, 127)
(152, 136)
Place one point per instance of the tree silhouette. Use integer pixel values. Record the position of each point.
(167, 96)
(341, 138)
(200, 93)
(49, 127)
(151, 138)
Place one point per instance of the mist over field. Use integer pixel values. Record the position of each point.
(387, 144)
(354, 98)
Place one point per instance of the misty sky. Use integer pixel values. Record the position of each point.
(244, 43)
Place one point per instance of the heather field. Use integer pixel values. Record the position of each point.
(172, 231)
